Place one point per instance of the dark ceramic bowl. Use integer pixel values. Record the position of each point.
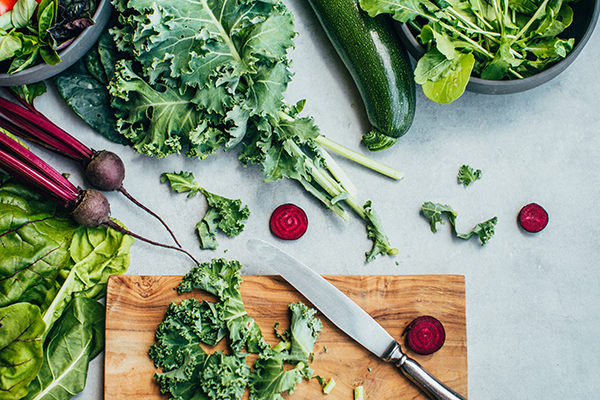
(585, 16)
(68, 56)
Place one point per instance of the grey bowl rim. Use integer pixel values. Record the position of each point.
(68, 56)
(484, 86)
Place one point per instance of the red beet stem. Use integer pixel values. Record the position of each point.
(533, 218)
(38, 123)
(288, 222)
(32, 170)
(119, 228)
(27, 122)
(425, 335)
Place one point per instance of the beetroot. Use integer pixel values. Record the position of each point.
(88, 207)
(533, 218)
(104, 170)
(425, 335)
(289, 222)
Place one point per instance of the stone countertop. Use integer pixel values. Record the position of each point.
(532, 299)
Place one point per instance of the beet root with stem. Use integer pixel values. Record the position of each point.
(93, 209)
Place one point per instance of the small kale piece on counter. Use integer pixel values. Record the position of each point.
(223, 214)
(189, 372)
(435, 211)
(466, 175)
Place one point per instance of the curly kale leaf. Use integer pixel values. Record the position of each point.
(485, 231)
(435, 211)
(225, 376)
(467, 175)
(270, 378)
(381, 243)
(223, 214)
(223, 279)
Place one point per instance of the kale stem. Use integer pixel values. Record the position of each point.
(338, 172)
(359, 158)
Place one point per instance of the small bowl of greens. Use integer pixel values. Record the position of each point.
(466, 47)
(41, 38)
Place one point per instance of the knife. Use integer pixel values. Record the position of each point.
(349, 317)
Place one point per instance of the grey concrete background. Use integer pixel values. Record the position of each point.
(532, 300)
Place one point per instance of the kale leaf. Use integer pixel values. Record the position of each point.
(223, 214)
(200, 76)
(189, 372)
(466, 175)
(435, 211)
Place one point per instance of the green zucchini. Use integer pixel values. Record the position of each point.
(378, 63)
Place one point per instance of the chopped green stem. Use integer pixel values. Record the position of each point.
(359, 158)
(335, 207)
(338, 173)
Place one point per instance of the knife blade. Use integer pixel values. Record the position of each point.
(348, 317)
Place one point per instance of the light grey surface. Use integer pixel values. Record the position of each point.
(532, 300)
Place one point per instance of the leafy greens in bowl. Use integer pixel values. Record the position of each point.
(41, 38)
(490, 47)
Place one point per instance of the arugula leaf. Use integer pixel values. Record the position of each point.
(494, 41)
(21, 329)
(466, 175)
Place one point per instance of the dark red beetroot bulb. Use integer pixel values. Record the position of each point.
(105, 171)
(533, 218)
(288, 222)
(92, 209)
(425, 335)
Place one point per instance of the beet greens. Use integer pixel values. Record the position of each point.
(88, 207)
(104, 170)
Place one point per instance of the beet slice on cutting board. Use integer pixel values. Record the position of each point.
(425, 335)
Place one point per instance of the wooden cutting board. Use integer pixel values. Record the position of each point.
(135, 305)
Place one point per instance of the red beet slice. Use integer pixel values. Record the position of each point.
(533, 218)
(288, 222)
(425, 335)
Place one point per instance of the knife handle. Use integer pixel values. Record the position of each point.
(434, 389)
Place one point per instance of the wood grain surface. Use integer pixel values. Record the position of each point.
(135, 305)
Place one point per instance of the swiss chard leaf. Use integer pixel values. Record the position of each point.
(21, 329)
(434, 213)
(76, 338)
(35, 236)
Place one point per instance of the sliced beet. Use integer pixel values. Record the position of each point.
(425, 335)
(533, 218)
(288, 222)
